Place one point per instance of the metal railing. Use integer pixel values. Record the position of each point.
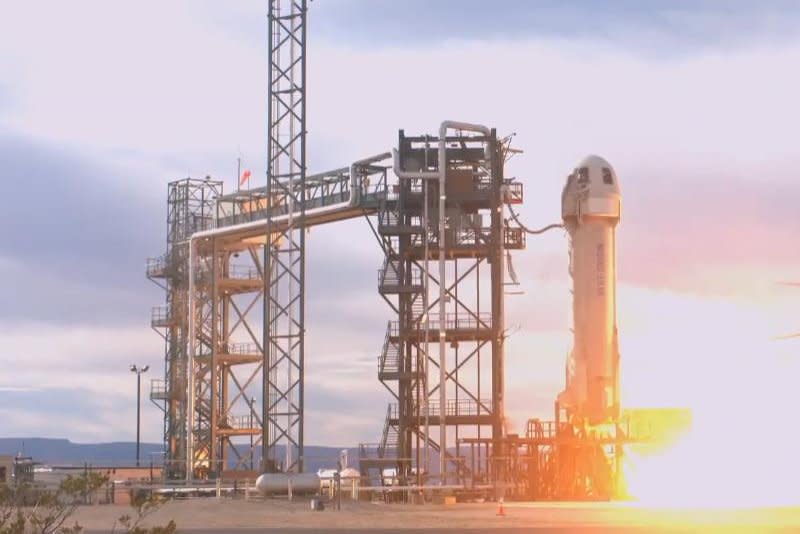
(239, 422)
(388, 218)
(461, 407)
(470, 236)
(369, 450)
(388, 360)
(157, 267)
(391, 413)
(514, 191)
(241, 349)
(513, 238)
(158, 389)
(160, 316)
(389, 275)
(453, 321)
(321, 190)
(233, 272)
(548, 430)
(243, 272)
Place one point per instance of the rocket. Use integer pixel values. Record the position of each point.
(590, 209)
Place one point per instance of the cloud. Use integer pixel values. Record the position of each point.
(663, 28)
(725, 235)
(74, 381)
(692, 103)
(712, 232)
(79, 232)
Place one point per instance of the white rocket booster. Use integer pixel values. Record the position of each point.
(591, 208)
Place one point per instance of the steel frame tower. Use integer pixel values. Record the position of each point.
(217, 276)
(218, 414)
(190, 208)
(234, 388)
(284, 255)
(454, 351)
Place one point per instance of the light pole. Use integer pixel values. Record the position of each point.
(138, 372)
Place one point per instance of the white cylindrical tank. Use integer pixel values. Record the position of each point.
(278, 483)
(591, 208)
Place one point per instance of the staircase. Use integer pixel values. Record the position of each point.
(418, 310)
(388, 445)
(389, 361)
(390, 280)
(390, 222)
(375, 458)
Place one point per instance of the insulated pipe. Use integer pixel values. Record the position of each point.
(441, 175)
(355, 188)
(190, 367)
(234, 228)
(442, 308)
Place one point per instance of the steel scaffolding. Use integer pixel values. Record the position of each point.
(213, 272)
(285, 255)
(442, 358)
(191, 206)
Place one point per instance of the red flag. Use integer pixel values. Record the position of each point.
(244, 178)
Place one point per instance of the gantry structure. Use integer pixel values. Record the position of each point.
(445, 240)
(234, 277)
(225, 396)
(191, 208)
(215, 389)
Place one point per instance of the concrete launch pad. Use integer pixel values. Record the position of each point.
(217, 516)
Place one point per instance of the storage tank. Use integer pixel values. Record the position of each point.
(590, 209)
(278, 483)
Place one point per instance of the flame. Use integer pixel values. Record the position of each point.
(717, 357)
(741, 450)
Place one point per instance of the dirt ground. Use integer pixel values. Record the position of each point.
(223, 515)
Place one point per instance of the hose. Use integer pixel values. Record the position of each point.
(528, 230)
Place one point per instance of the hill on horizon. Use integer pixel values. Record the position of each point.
(63, 452)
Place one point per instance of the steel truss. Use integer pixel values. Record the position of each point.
(235, 323)
(213, 272)
(472, 326)
(190, 208)
(284, 257)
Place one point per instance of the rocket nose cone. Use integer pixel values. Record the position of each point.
(593, 178)
(593, 160)
(597, 174)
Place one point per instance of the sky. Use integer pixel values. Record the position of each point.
(694, 103)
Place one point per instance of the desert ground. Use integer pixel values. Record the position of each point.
(219, 516)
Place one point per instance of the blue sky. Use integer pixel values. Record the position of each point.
(102, 103)
(659, 27)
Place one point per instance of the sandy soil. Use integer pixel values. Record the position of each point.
(226, 515)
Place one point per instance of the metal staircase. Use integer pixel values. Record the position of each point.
(389, 360)
(391, 223)
(391, 279)
(375, 458)
(388, 445)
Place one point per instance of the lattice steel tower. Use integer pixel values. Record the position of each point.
(284, 258)
(190, 208)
